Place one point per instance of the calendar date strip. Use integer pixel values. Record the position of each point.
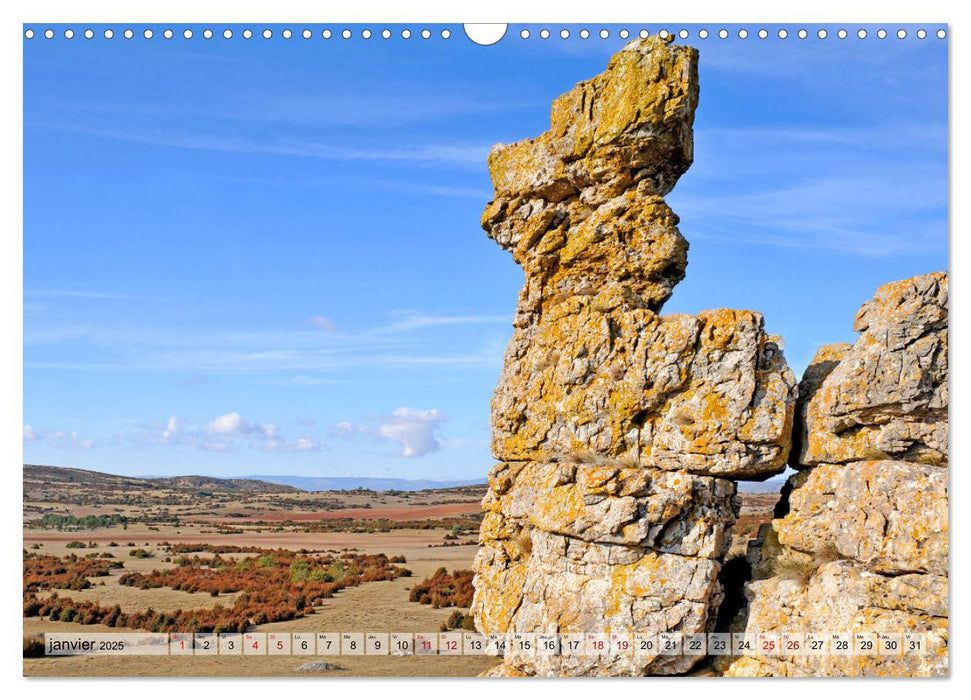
(459, 643)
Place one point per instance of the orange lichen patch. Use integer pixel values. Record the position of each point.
(638, 580)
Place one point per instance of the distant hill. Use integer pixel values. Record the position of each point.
(773, 485)
(47, 475)
(39, 475)
(350, 483)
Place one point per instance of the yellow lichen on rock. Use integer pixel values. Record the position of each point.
(617, 430)
(861, 542)
(886, 397)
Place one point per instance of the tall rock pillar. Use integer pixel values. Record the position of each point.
(618, 431)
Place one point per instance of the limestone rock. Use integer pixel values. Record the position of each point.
(581, 205)
(709, 394)
(824, 361)
(617, 430)
(591, 369)
(889, 516)
(844, 596)
(669, 512)
(572, 548)
(886, 397)
(537, 581)
(860, 543)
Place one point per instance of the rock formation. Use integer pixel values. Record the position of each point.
(861, 539)
(618, 431)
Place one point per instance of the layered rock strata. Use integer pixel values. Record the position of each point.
(618, 431)
(861, 541)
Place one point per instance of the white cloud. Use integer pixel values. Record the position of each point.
(228, 423)
(303, 444)
(61, 439)
(171, 428)
(233, 425)
(68, 440)
(413, 429)
(306, 443)
(228, 432)
(323, 323)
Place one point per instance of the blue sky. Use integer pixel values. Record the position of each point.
(264, 256)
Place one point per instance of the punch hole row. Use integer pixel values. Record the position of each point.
(245, 34)
(742, 33)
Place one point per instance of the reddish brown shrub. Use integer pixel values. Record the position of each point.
(276, 585)
(445, 590)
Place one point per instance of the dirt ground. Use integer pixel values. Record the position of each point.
(394, 542)
(397, 513)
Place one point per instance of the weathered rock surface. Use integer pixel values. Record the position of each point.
(889, 516)
(591, 368)
(844, 596)
(886, 398)
(617, 430)
(542, 582)
(709, 394)
(669, 512)
(860, 543)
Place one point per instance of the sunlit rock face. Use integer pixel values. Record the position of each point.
(884, 397)
(619, 432)
(861, 541)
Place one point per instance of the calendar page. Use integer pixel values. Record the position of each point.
(485, 350)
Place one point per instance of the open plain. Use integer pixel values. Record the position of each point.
(148, 526)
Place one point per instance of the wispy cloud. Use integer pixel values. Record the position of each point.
(811, 187)
(301, 354)
(861, 137)
(478, 194)
(903, 63)
(61, 439)
(322, 322)
(303, 380)
(82, 294)
(413, 429)
(417, 321)
(431, 154)
(362, 109)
